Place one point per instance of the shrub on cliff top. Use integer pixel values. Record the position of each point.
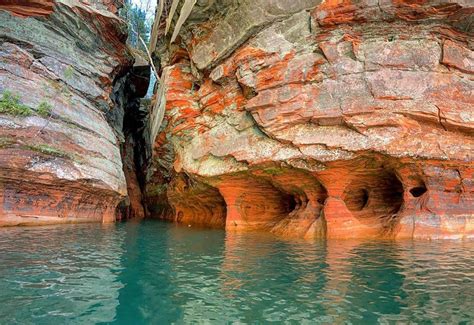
(10, 104)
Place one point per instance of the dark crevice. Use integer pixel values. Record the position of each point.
(290, 203)
(418, 191)
(129, 118)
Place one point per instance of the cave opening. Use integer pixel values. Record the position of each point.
(375, 197)
(196, 203)
(418, 191)
(304, 197)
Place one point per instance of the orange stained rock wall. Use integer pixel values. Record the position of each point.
(343, 119)
(48, 201)
(364, 198)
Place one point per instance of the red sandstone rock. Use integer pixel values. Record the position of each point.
(63, 166)
(342, 119)
(28, 8)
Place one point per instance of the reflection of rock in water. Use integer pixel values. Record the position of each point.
(60, 273)
(162, 273)
(376, 283)
(286, 278)
(436, 275)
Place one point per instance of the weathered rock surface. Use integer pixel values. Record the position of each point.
(320, 119)
(64, 164)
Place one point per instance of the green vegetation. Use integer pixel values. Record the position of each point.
(44, 109)
(48, 150)
(68, 72)
(6, 142)
(10, 104)
(273, 171)
(139, 16)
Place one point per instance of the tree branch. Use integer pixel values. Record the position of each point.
(150, 60)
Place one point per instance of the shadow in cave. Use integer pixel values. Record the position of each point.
(375, 198)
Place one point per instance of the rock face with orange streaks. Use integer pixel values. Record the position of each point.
(60, 161)
(318, 119)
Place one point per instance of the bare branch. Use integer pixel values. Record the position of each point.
(156, 25)
(150, 60)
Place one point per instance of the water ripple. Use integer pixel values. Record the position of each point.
(160, 273)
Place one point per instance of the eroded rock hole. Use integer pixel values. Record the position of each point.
(179, 216)
(290, 203)
(262, 204)
(357, 199)
(304, 198)
(418, 191)
(375, 198)
(196, 86)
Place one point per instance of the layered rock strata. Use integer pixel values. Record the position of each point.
(60, 129)
(337, 119)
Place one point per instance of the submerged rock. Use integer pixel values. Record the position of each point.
(312, 119)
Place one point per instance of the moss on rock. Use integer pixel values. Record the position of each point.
(48, 150)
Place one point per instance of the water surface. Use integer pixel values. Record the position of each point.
(159, 273)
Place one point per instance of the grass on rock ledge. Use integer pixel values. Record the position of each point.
(10, 104)
(44, 109)
(8, 142)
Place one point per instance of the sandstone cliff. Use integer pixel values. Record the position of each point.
(318, 119)
(61, 116)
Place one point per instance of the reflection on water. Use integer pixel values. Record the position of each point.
(159, 273)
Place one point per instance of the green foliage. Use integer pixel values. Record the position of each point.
(10, 104)
(138, 23)
(44, 109)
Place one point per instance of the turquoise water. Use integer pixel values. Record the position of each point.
(159, 273)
